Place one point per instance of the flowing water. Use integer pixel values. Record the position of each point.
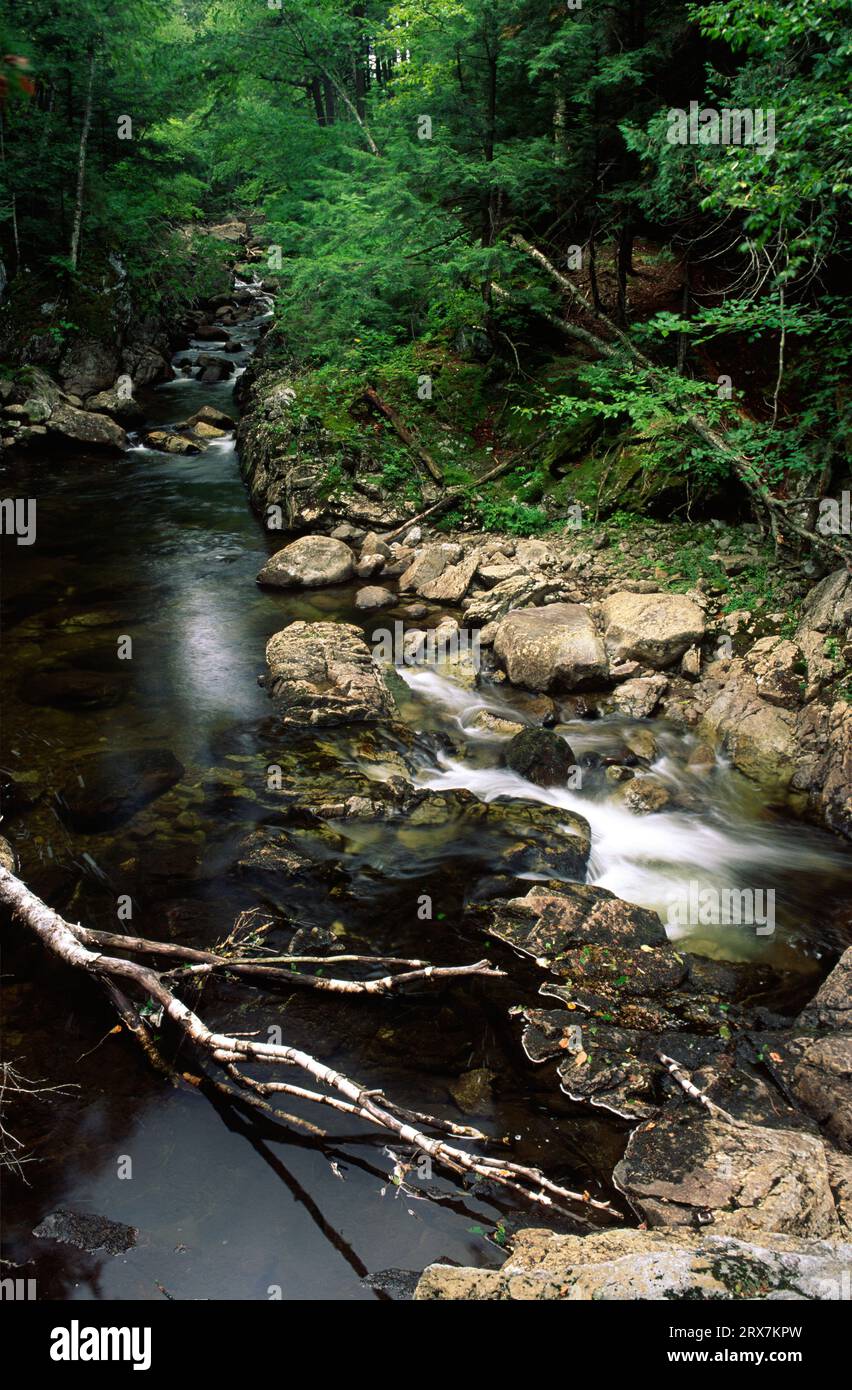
(164, 549)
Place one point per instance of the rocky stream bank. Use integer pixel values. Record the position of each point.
(472, 737)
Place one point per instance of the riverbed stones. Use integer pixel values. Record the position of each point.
(541, 757)
(311, 562)
(654, 628)
(107, 789)
(630, 1265)
(684, 1169)
(451, 585)
(553, 648)
(322, 674)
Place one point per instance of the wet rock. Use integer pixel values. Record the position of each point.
(87, 1232)
(831, 1007)
(171, 442)
(758, 737)
(496, 724)
(630, 1265)
(107, 789)
(551, 648)
(541, 757)
(687, 1169)
(310, 562)
(210, 415)
(323, 674)
(554, 919)
(374, 596)
(645, 795)
(397, 1284)
(655, 628)
(118, 402)
(87, 427)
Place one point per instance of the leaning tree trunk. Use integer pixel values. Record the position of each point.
(775, 509)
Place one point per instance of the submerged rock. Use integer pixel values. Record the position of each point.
(309, 563)
(109, 788)
(87, 1232)
(323, 674)
(622, 1265)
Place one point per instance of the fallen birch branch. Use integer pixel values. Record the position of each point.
(67, 942)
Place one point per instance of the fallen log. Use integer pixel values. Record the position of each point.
(73, 944)
(408, 437)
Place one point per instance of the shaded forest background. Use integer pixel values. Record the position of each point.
(490, 179)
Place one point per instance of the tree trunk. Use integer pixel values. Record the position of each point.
(81, 165)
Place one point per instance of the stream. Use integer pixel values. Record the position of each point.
(165, 549)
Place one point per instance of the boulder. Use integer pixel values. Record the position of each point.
(518, 591)
(735, 1179)
(552, 648)
(655, 628)
(311, 562)
(451, 585)
(87, 427)
(758, 737)
(88, 365)
(323, 674)
(831, 1006)
(828, 606)
(171, 442)
(628, 1265)
(777, 668)
(427, 565)
(541, 757)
